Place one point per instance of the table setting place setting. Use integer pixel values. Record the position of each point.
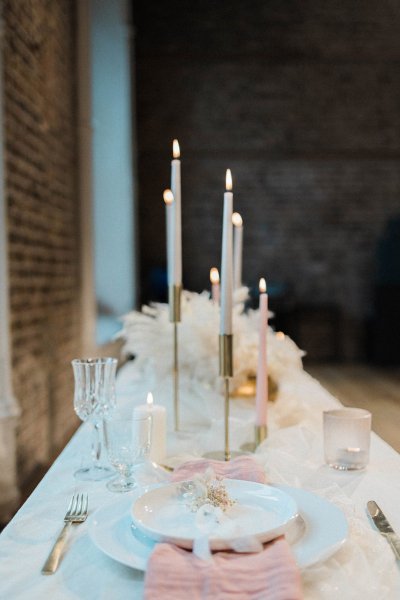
(210, 465)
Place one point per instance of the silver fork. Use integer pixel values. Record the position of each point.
(76, 513)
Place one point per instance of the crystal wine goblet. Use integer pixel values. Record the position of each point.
(94, 399)
(128, 440)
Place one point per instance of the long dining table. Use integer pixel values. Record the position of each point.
(363, 567)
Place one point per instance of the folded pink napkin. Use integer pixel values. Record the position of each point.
(175, 573)
(242, 467)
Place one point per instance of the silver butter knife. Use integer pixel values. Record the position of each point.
(384, 527)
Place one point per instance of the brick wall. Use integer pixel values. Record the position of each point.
(41, 186)
(300, 99)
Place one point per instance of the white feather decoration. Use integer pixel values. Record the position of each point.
(148, 335)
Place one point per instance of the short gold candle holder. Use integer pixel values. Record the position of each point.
(174, 300)
(260, 434)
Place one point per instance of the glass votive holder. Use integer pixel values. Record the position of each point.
(347, 433)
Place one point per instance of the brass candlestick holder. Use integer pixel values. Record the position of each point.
(225, 371)
(174, 301)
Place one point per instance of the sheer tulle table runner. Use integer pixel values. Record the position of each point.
(363, 568)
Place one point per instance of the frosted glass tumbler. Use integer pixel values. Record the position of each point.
(347, 434)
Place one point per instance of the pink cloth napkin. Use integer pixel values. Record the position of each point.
(177, 574)
(243, 467)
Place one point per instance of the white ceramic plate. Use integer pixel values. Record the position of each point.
(164, 514)
(319, 532)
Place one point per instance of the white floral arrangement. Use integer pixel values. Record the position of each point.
(148, 335)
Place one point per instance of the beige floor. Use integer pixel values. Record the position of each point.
(375, 389)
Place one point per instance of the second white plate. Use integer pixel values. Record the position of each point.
(319, 532)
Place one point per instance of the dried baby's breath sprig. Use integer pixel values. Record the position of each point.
(211, 490)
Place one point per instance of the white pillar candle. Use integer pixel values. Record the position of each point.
(227, 261)
(177, 219)
(214, 278)
(237, 249)
(169, 199)
(262, 371)
(158, 416)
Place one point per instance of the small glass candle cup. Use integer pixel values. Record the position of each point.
(347, 433)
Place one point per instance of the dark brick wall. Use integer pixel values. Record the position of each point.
(40, 153)
(301, 100)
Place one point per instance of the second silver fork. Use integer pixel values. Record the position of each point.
(76, 513)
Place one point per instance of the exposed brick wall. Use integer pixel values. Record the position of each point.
(300, 99)
(43, 219)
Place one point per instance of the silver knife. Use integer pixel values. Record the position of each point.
(384, 527)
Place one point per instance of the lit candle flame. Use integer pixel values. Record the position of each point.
(237, 219)
(168, 197)
(228, 180)
(150, 399)
(214, 275)
(280, 335)
(262, 286)
(175, 149)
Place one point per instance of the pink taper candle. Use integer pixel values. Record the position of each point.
(176, 259)
(262, 373)
(169, 199)
(214, 278)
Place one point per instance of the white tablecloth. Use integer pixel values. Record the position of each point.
(363, 569)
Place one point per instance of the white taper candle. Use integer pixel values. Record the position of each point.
(237, 249)
(176, 191)
(227, 261)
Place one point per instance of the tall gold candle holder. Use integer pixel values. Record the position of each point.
(225, 371)
(174, 301)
